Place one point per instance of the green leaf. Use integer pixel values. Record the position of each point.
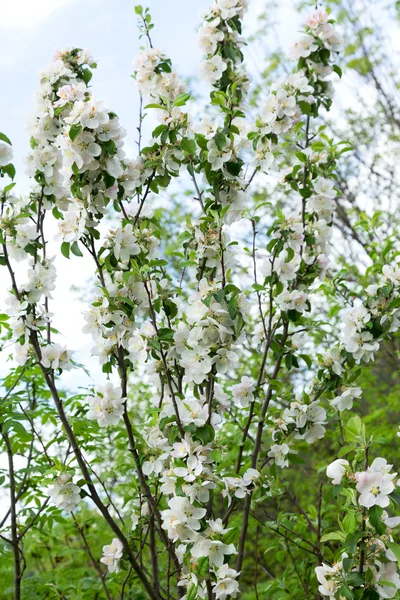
(231, 535)
(4, 138)
(181, 99)
(152, 105)
(333, 536)
(56, 213)
(347, 564)
(295, 459)
(75, 249)
(354, 428)
(159, 130)
(205, 433)
(338, 70)
(9, 187)
(74, 131)
(301, 156)
(65, 248)
(356, 579)
(86, 75)
(349, 523)
(188, 146)
(220, 140)
(203, 566)
(165, 334)
(305, 107)
(375, 518)
(110, 147)
(192, 592)
(345, 592)
(9, 170)
(345, 450)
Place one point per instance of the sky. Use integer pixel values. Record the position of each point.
(31, 31)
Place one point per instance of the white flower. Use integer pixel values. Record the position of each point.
(344, 401)
(6, 154)
(284, 268)
(250, 476)
(71, 93)
(182, 519)
(125, 243)
(56, 357)
(65, 494)
(214, 549)
(73, 224)
(303, 47)
(21, 353)
(286, 105)
(336, 470)
(114, 167)
(243, 391)
(137, 347)
(212, 69)
(197, 364)
(93, 115)
(375, 484)
(334, 360)
(317, 18)
(325, 576)
(82, 151)
(392, 273)
(226, 583)
(386, 572)
(295, 300)
(209, 36)
(309, 420)
(322, 206)
(194, 467)
(227, 9)
(390, 522)
(355, 319)
(300, 82)
(107, 405)
(325, 187)
(362, 346)
(112, 555)
(154, 465)
(217, 157)
(278, 453)
(41, 281)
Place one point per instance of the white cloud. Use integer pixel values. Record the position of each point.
(26, 14)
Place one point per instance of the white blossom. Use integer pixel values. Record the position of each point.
(336, 470)
(106, 406)
(112, 555)
(64, 493)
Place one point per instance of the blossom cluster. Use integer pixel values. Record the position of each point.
(374, 486)
(190, 341)
(219, 39)
(303, 91)
(366, 323)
